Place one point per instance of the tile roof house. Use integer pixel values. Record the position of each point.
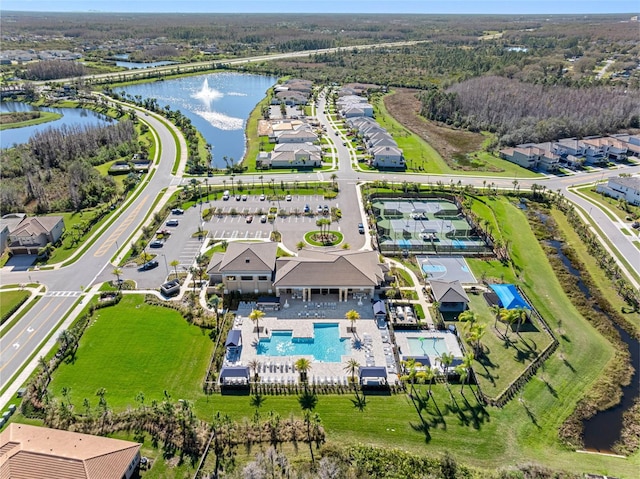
(387, 157)
(31, 452)
(244, 267)
(332, 272)
(450, 295)
(34, 232)
(288, 155)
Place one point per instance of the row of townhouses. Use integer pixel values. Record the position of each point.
(622, 187)
(572, 152)
(379, 144)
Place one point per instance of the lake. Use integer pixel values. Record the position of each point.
(218, 105)
(70, 117)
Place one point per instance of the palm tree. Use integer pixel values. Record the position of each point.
(262, 183)
(253, 364)
(521, 316)
(174, 264)
(308, 402)
(351, 367)
(429, 375)
(474, 336)
(464, 369)
(468, 317)
(117, 272)
(508, 316)
(446, 359)
(333, 177)
(411, 371)
(496, 310)
(65, 339)
(256, 315)
(45, 366)
(352, 315)
(303, 365)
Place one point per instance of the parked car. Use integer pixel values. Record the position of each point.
(149, 265)
(156, 244)
(307, 209)
(177, 211)
(262, 197)
(244, 197)
(325, 209)
(263, 219)
(173, 222)
(163, 232)
(360, 228)
(319, 209)
(635, 225)
(249, 219)
(238, 197)
(225, 195)
(288, 198)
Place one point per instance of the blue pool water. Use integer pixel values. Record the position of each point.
(431, 347)
(326, 345)
(433, 268)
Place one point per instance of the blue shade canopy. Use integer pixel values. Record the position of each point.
(509, 296)
(234, 338)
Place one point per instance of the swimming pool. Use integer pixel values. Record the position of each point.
(326, 345)
(425, 346)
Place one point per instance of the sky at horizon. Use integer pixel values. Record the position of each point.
(328, 6)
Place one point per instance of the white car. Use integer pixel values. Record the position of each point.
(288, 198)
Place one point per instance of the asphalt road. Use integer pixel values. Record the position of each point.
(64, 284)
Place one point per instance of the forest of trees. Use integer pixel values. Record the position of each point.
(521, 112)
(55, 171)
(53, 69)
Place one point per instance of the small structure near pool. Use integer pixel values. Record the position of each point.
(450, 295)
(372, 375)
(234, 376)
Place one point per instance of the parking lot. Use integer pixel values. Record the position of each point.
(231, 221)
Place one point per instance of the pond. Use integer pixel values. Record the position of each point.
(602, 431)
(70, 117)
(217, 104)
(138, 65)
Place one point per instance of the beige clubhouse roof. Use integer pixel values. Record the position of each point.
(31, 452)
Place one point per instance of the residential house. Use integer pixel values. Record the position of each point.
(387, 157)
(28, 452)
(244, 267)
(288, 155)
(568, 146)
(632, 142)
(312, 274)
(4, 236)
(525, 157)
(627, 187)
(300, 135)
(450, 295)
(35, 232)
(598, 150)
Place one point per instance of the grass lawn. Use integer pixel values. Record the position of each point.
(134, 347)
(10, 300)
(504, 360)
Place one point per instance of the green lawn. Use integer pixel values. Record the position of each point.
(134, 347)
(504, 360)
(9, 300)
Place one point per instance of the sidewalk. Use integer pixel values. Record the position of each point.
(32, 365)
(422, 297)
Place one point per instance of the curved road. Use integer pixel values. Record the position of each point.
(64, 285)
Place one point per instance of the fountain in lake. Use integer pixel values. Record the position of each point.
(207, 94)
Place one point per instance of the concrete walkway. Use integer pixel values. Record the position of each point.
(422, 297)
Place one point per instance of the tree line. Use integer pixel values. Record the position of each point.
(52, 69)
(520, 112)
(55, 171)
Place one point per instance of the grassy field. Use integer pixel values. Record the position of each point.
(8, 120)
(135, 347)
(504, 359)
(9, 300)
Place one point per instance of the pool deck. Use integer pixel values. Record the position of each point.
(370, 344)
(450, 339)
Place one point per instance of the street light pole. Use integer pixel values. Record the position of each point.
(166, 267)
